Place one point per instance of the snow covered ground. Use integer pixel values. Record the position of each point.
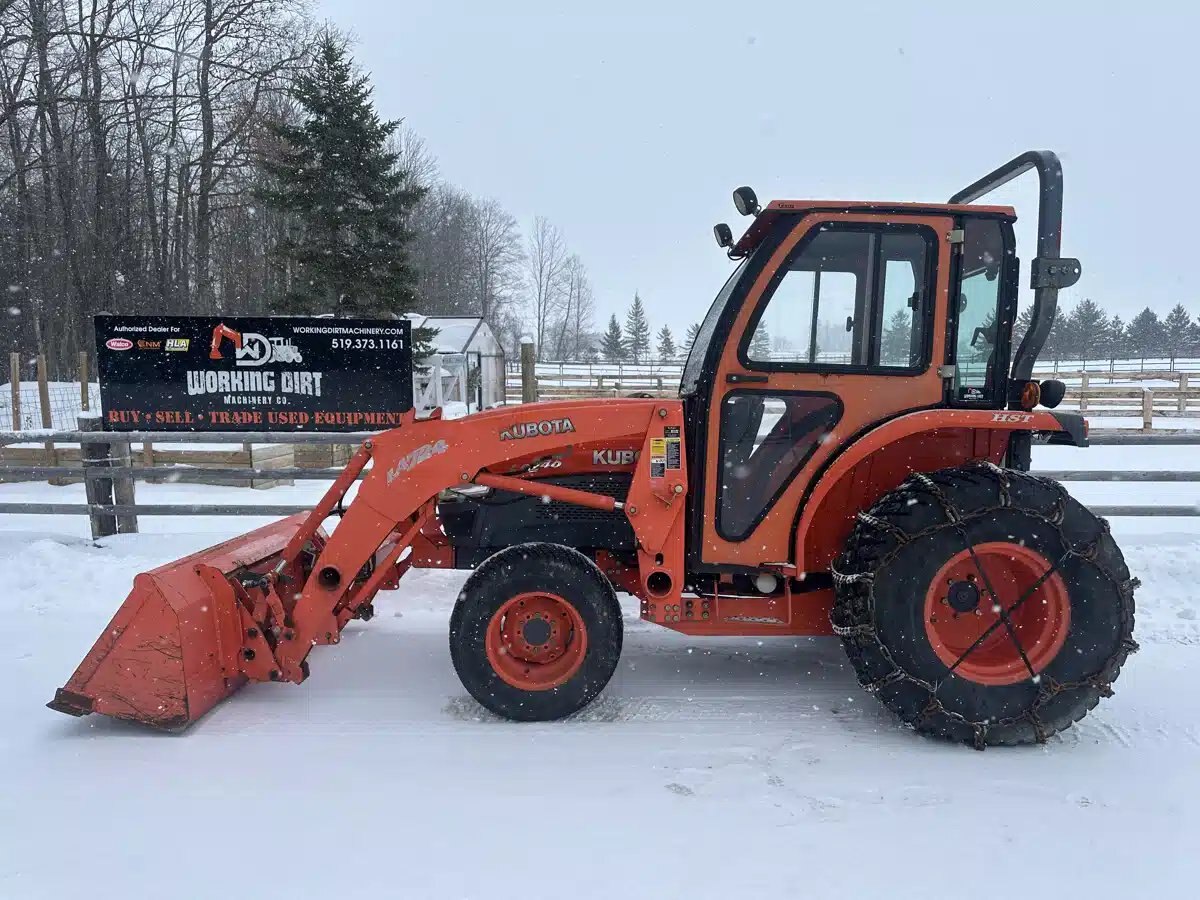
(709, 768)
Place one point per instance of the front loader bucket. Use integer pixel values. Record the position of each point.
(172, 651)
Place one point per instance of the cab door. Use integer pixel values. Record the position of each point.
(840, 329)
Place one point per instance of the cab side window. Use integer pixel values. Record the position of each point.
(855, 298)
(978, 357)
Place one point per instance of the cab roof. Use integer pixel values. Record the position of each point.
(774, 210)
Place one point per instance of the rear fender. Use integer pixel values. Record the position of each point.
(883, 457)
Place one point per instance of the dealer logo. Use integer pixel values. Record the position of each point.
(252, 349)
(119, 344)
(178, 345)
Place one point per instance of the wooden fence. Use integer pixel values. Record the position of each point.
(109, 475)
(1140, 397)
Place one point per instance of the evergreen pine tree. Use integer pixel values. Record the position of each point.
(690, 340)
(1145, 334)
(637, 330)
(666, 344)
(1177, 328)
(1088, 327)
(1114, 338)
(348, 198)
(896, 348)
(760, 343)
(1021, 328)
(612, 345)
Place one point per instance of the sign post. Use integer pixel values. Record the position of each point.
(194, 373)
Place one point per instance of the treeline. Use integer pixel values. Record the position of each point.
(136, 138)
(1088, 332)
(1083, 332)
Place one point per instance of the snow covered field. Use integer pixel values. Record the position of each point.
(709, 768)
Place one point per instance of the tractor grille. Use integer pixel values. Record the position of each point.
(615, 486)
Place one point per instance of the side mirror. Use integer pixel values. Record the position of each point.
(1053, 392)
(723, 234)
(746, 202)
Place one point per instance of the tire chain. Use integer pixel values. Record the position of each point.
(861, 630)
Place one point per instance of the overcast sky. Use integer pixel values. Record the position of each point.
(628, 124)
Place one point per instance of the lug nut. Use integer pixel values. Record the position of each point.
(248, 654)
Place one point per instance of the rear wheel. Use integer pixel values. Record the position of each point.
(536, 633)
(984, 605)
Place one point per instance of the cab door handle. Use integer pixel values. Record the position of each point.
(739, 378)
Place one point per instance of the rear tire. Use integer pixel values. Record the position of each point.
(915, 607)
(536, 633)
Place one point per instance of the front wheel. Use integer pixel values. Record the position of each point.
(536, 633)
(984, 605)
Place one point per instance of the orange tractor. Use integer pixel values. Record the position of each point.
(848, 455)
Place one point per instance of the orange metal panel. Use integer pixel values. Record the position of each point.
(868, 398)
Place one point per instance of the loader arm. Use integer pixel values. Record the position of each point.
(252, 609)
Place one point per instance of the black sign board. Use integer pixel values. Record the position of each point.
(194, 373)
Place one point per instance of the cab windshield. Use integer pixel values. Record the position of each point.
(694, 367)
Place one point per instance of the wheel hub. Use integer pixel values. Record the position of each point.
(536, 630)
(965, 620)
(963, 596)
(536, 641)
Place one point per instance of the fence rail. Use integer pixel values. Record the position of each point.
(1138, 398)
(109, 474)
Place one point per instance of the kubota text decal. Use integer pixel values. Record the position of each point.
(543, 428)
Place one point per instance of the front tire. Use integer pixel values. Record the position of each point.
(984, 605)
(536, 633)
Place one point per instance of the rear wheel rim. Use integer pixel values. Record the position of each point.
(959, 608)
(536, 641)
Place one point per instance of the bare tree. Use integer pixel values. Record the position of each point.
(131, 139)
(546, 268)
(127, 157)
(441, 252)
(414, 157)
(496, 256)
(577, 312)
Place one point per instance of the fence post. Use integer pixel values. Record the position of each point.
(529, 388)
(1083, 389)
(1183, 386)
(47, 419)
(148, 460)
(123, 486)
(85, 395)
(97, 489)
(14, 368)
(1147, 409)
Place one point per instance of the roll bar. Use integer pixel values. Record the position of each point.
(1049, 272)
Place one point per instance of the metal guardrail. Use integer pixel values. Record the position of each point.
(109, 475)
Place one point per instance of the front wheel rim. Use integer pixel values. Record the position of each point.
(960, 608)
(536, 641)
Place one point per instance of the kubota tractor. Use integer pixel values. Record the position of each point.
(848, 455)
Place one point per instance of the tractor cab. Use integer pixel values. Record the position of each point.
(839, 318)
